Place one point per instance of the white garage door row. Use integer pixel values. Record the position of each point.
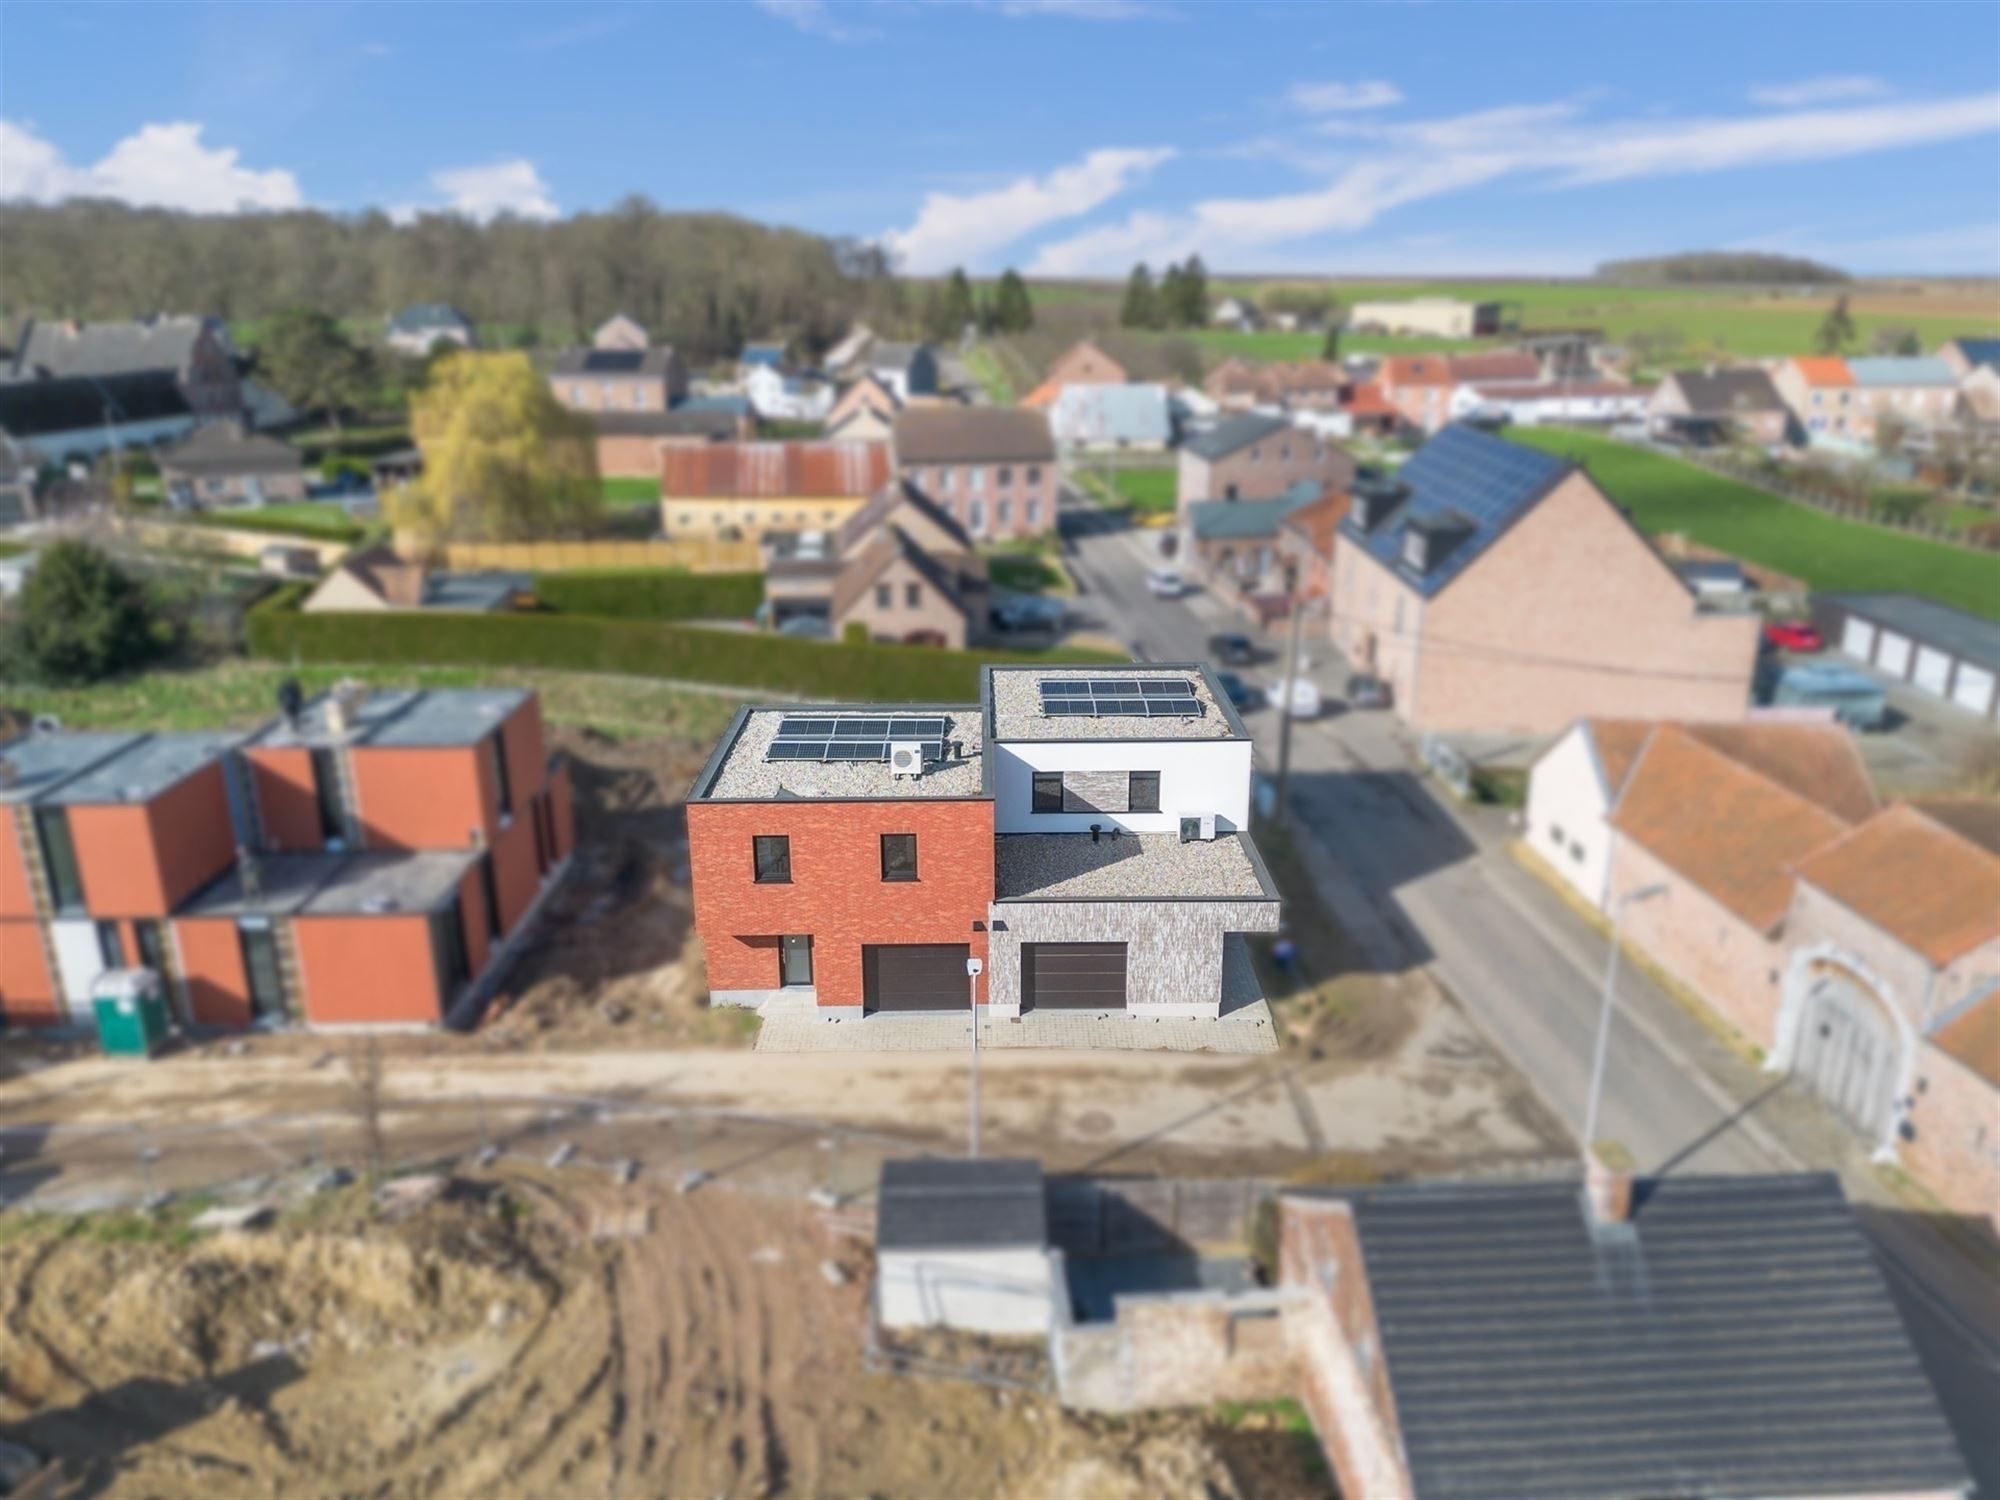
(1935, 671)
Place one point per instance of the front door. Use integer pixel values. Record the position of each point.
(262, 971)
(795, 960)
(1847, 1054)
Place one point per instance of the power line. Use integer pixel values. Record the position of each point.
(1486, 651)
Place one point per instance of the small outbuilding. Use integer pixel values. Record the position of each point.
(964, 1245)
(1909, 638)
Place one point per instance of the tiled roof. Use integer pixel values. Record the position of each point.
(1821, 763)
(972, 434)
(1733, 1338)
(1914, 370)
(1559, 389)
(1971, 1034)
(1414, 369)
(1368, 401)
(773, 470)
(1140, 415)
(1975, 818)
(124, 347)
(1043, 396)
(1919, 880)
(866, 564)
(1235, 433)
(1732, 831)
(1500, 367)
(1618, 743)
(1721, 393)
(225, 448)
(1318, 520)
(883, 505)
(1823, 369)
(30, 409)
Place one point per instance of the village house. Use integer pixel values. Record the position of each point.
(1820, 392)
(1965, 354)
(1431, 567)
(618, 379)
(865, 412)
(1239, 544)
(222, 464)
(1574, 403)
(1112, 419)
(907, 369)
(1418, 387)
(1921, 393)
(76, 418)
(748, 489)
(194, 354)
(1310, 384)
(779, 393)
(376, 579)
(991, 468)
(1430, 317)
(1717, 405)
(621, 332)
(1083, 363)
(1306, 540)
(424, 327)
(1256, 457)
(629, 443)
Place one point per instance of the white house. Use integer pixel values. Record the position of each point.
(1585, 401)
(1571, 791)
(964, 1245)
(779, 395)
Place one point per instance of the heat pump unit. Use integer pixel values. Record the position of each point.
(906, 758)
(1197, 827)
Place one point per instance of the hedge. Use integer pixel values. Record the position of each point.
(277, 631)
(652, 594)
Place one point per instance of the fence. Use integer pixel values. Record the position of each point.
(692, 554)
(1134, 1216)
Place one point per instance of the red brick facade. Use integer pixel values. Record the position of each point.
(836, 893)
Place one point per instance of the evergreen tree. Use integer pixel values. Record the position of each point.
(81, 617)
(1837, 331)
(1142, 306)
(1013, 311)
(1330, 349)
(1173, 297)
(959, 302)
(1193, 309)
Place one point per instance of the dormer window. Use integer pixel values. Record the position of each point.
(1416, 549)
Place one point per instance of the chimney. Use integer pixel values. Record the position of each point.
(1607, 1183)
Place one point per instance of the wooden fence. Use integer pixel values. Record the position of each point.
(692, 554)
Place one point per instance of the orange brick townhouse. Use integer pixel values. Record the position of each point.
(360, 860)
(1083, 832)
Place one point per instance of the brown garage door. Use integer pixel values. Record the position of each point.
(915, 976)
(1073, 976)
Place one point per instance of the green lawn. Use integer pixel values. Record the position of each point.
(317, 520)
(1664, 494)
(984, 367)
(1148, 490)
(631, 490)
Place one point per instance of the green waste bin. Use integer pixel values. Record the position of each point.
(131, 1012)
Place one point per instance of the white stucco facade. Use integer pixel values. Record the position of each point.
(1568, 803)
(1196, 776)
(997, 1291)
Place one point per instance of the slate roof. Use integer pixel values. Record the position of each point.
(884, 355)
(1722, 393)
(936, 1204)
(225, 448)
(1979, 351)
(1733, 1339)
(614, 361)
(38, 408)
(420, 317)
(1929, 622)
(1910, 872)
(1245, 520)
(686, 420)
(1233, 434)
(886, 501)
(1464, 483)
(125, 347)
(972, 435)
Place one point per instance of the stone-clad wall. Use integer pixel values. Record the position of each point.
(1173, 956)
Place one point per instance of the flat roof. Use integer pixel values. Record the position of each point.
(380, 883)
(1127, 867)
(1014, 695)
(42, 762)
(148, 767)
(1930, 622)
(933, 1203)
(277, 885)
(738, 770)
(399, 718)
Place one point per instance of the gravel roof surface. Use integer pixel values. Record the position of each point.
(1069, 867)
(747, 774)
(1017, 708)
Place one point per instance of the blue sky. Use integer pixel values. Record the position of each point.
(1062, 136)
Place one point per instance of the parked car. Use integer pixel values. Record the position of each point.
(1241, 695)
(1167, 583)
(1792, 635)
(1232, 648)
(1365, 690)
(1297, 699)
(1026, 612)
(806, 628)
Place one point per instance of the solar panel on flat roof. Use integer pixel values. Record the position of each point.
(1124, 697)
(856, 737)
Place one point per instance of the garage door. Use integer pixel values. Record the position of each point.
(1857, 638)
(915, 976)
(1847, 1054)
(1893, 654)
(1933, 670)
(1973, 688)
(1073, 976)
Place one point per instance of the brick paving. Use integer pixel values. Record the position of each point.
(792, 1026)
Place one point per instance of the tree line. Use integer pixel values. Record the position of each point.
(1180, 300)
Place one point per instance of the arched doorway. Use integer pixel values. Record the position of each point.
(1847, 1051)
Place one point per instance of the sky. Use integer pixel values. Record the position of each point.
(1062, 137)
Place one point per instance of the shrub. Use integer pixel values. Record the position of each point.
(82, 617)
(652, 594)
(1900, 504)
(855, 633)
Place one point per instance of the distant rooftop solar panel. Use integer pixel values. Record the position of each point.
(827, 737)
(1127, 697)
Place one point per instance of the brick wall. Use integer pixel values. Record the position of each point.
(973, 495)
(211, 958)
(420, 798)
(143, 860)
(281, 779)
(1268, 467)
(27, 989)
(836, 894)
(17, 896)
(1702, 943)
(1186, 1352)
(1952, 1144)
(372, 970)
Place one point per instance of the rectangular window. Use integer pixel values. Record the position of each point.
(883, 595)
(975, 479)
(59, 855)
(773, 855)
(899, 856)
(1006, 474)
(541, 805)
(913, 595)
(1048, 796)
(1004, 513)
(326, 792)
(1142, 793)
(490, 888)
(262, 972)
(1034, 473)
(501, 779)
(152, 946)
(1034, 512)
(110, 946)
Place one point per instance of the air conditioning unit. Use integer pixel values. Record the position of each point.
(906, 758)
(1197, 827)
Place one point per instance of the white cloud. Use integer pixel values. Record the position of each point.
(814, 17)
(1830, 89)
(1389, 165)
(157, 166)
(1339, 98)
(486, 192)
(962, 228)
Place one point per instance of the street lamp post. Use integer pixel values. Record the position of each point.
(1618, 905)
(972, 968)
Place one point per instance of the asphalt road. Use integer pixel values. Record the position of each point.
(1417, 884)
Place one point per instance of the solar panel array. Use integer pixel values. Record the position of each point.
(825, 737)
(1129, 697)
(1487, 480)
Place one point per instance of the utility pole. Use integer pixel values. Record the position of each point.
(1643, 893)
(1291, 676)
(972, 968)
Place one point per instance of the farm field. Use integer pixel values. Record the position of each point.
(1663, 494)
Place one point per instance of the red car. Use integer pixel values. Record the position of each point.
(1792, 636)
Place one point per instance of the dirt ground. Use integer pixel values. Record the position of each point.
(526, 1338)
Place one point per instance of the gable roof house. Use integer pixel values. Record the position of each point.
(1431, 567)
(749, 489)
(376, 579)
(424, 326)
(1253, 456)
(1678, 1338)
(1965, 354)
(781, 393)
(194, 353)
(1112, 418)
(1419, 387)
(992, 467)
(1819, 390)
(1704, 406)
(1240, 543)
(1921, 392)
(621, 332)
(907, 369)
(865, 410)
(1311, 384)
(82, 416)
(619, 379)
(1083, 363)
(222, 464)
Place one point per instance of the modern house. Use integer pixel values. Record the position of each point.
(1937, 649)
(1082, 831)
(360, 861)
(1093, 418)
(377, 579)
(598, 379)
(423, 327)
(222, 464)
(1713, 405)
(1819, 390)
(78, 417)
(993, 468)
(1680, 1338)
(1256, 457)
(1429, 317)
(907, 369)
(1431, 568)
(1919, 391)
(194, 354)
(748, 489)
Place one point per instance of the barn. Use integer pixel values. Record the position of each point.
(1938, 649)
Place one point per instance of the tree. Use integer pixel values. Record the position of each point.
(307, 358)
(503, 460)
(1172, 295)
(1191, 310)
(1329, 349)
(1837, 331)
(959, 306)
(82, 617)
(1142, 305)
(1902, 341)
(1012, 310)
